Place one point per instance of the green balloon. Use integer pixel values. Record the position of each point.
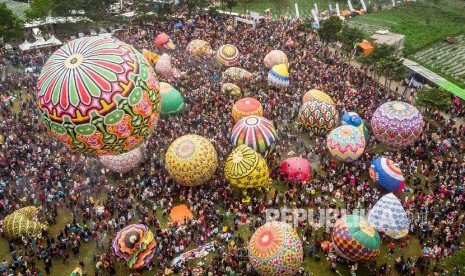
(171, 99)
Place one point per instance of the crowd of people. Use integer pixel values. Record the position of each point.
(37, 170)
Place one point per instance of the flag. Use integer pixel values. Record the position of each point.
(363, 5)
(316, 9)
(315, 17)
(393, 3)
(351, 8)
(330, 8)
(296, 11)
(338, 10)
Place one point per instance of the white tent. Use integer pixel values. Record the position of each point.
(54, 41)
(25, 46)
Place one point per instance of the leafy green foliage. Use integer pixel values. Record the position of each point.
(349, 36)
(93, 9)
(10, 25)
(330, 28)
(434, 98)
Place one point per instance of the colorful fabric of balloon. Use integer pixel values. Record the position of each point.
(228, 55)
(236, 74)
(278, 76)
(317, 96)
(346, 143)
(276, 249)
(124, 162)
(397, 124)
(164, 67)
(246, 107)
(171, 100)
(295, 169)
(353, 119)
(275, 57)
(199, 48)
(387, 174)
(151, 57)
(255, 132)
(98, 95)
(191, 160)
(319, 117)
(22, 222)
(135, 244)
(163, 41)
(388, 216)
(245, 168)
(231, 89)
(355, 239)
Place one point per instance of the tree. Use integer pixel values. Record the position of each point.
(230, 4)
(192, 4)
(348, 37)
(330, 28)
(10, 25)
(434, 98)
(142, 7)
(39, 9)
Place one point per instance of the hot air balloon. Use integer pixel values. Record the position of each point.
(387, 174)
(346, 143)
(191, 160)
(397, 124)
(122, 163)
(164, 67)
(278, 76)
(255, 132)
(318, 117)
(98, 95)
(231, 89)
(171, 100)
(317, 96)
(295, 169)
(355, 239)
(23, 223)
(163, 41)
(135, 244)
(388, 216)
(353, 119)
(236, 74)
(275, 249)
(245, 168)
(228, 55)
(246, 107)
(275, 57)
(199, 48)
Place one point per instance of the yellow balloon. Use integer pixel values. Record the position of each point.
(317, 95)
(245, 168)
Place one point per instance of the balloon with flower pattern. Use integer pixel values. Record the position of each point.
(355, 239)
(318, 117)
(246, 107)
(256, 132)
(228, 55)
(191, 160)
(99, 96)
(353, 119)
(397, 124)
(236, 74)
(387, 174)
(245, 168)
(346, 143)
(199, 48)
(275, 249)
(135, 244)
(315, 95)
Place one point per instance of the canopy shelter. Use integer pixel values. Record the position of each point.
(180, 212)
(435, 78)
(366, 47)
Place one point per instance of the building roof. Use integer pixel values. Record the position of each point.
(384, 37)
(435, 78)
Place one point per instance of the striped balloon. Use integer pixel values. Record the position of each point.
(387, 174)
(256, 132)
(346, 143)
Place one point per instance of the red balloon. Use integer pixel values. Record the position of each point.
(295, 169)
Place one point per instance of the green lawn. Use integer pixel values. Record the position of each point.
(422, 22)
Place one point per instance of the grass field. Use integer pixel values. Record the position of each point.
(422, 22)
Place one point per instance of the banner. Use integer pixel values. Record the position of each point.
(363, 5)
(330, 8)
(196, 253)
(351, 8)
(297, 11)
(393, 3)
(316, 9)
(338, 11)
